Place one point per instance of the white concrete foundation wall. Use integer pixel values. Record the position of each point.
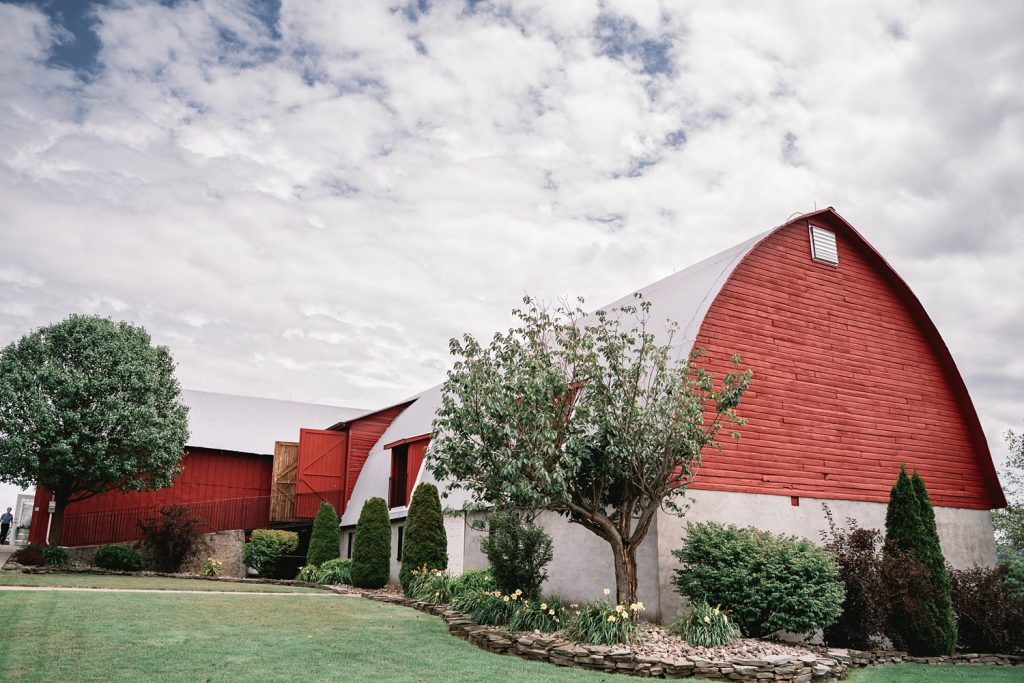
(966, 535)
(583, 567)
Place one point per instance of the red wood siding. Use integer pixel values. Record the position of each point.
(417, 449)
(320, 474)
(847, 383)
(228, 489)
(363, 433)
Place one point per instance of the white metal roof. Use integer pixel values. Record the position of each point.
(683, 297)
(251, 425)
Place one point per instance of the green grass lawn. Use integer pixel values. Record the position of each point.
(928, 673)
(13, 578)
(63, 636)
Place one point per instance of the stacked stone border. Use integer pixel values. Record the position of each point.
(619, 659)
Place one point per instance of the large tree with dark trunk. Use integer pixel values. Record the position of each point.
(585, 414)
(89, 405)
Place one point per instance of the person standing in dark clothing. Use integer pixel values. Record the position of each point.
(6, 520)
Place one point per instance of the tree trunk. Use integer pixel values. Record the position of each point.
(625, 572)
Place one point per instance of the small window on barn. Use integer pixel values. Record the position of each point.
(401, 537)
(823, 246)
(351, 540)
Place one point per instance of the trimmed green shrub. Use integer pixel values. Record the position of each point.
(371, 547)
(325, 540)
(426, 543)
(331, 572)
(119, 558)
(518, 551)
(767, 582)
(171, 537)
(925, 625)
(266, 547)
(601, 623)
(989, 615)
(706, 626)
(55, 556)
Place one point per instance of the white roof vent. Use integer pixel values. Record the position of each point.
(823, 246)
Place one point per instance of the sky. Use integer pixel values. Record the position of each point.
(307, 200)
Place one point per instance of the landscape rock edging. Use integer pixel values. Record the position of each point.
(618, 659)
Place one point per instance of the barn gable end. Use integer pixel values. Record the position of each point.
(851, 379)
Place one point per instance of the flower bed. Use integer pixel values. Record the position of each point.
(789, 664)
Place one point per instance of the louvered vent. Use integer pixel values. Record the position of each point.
(823, 246)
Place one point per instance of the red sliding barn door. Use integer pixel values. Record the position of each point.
(321, 471)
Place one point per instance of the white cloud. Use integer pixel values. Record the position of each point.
(409, 176)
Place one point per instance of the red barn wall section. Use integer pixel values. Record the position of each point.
(363, 434)
(847, 384)
(227, 490)
(321, 470)
(417, 450)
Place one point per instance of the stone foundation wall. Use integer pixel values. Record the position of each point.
(225, 546)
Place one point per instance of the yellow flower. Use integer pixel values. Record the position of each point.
(506, 600)
(707, 619)
(577, 612)
(611, 617)
(726, 617)
(607, 592)
(634, 607)
(620, 608)
(574, 605)
(716, 611)
(543, 605)
(551, 612)
(639, 605)
(515, 595)
(519, 591)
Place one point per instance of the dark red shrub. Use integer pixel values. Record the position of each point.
(171, 537)
(990, 616)
(30, 556)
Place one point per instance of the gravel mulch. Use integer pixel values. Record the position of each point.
(659, 643)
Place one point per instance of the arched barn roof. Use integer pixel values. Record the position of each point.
(686, 297)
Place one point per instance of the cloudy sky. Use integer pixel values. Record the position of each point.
(306, 200)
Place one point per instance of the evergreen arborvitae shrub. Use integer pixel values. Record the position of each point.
(325, 540)
(925, 624)
(426, 542)
(371, 548)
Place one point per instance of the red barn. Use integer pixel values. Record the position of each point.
(851, 380)
(226, 478)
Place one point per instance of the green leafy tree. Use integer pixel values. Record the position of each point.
(89, 405)
(1009, 522)
(325, 540)
(426, 542)
(585, 414)
(371, 548)
(924, 623)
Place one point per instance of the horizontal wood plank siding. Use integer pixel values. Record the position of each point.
(847, 386)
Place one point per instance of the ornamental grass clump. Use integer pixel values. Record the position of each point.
(212, 568)
(331, 573)
(602, 623)
(472, 580)
(488, 608)
(430, 585)
(706, 626)
(540, 614)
